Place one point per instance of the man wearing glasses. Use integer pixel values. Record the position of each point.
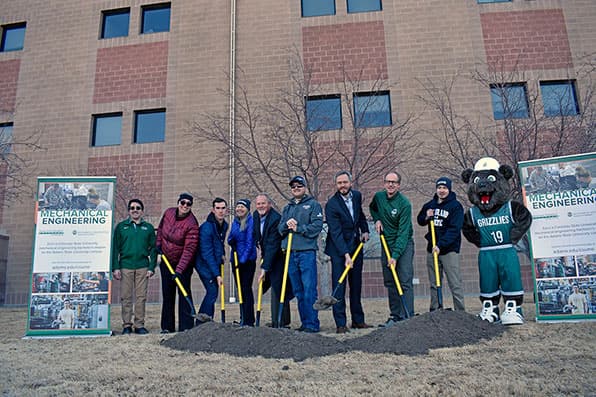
(133, 263)
(392, 214)
(303, 216)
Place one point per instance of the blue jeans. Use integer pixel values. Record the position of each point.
(303, 275)
(211, 292)
(405, 274)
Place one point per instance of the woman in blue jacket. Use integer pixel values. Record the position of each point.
(241, 241)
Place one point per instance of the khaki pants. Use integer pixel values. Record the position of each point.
(448, 264)
(134, 282)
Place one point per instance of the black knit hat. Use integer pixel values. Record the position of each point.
(185, 196)
(244, 202)
(444, 181)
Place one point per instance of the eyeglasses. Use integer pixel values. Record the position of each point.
(186, 203)
(391, 182)
(296, 187)
(135, 208)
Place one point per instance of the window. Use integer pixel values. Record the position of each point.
(559, 98)
(115, 23)
(364, 5)
(13, 37)
(156, 18)
(510, 101)
(315, 8)
(323, 113)
(493, 1)
(150, 126)
(372, 109)
(5, 138)
(107, 129)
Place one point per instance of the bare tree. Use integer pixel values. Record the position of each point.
(530, 119)
(17, 163)
(293, 132)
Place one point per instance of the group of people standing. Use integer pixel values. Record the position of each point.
(138, 250)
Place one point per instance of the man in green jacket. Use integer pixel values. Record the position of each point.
(392, 213)
(133, 262)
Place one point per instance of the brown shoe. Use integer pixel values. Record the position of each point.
(361, 325)
(342, 330)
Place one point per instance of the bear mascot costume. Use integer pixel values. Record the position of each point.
(495, 224)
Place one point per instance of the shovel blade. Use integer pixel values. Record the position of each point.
(325, 303)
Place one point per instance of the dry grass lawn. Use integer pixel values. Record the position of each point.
(528, 360)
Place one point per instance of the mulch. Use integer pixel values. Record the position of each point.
(415, 336)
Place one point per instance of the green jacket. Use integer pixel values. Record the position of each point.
(133, 246)
(395, 214)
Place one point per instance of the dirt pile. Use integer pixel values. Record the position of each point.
(415, 336)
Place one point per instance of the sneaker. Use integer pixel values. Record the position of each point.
(141, 331)
(389, 323)
(126, 330)
(511, 316)
(489, 312)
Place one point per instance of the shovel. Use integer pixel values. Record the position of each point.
(395, 278)
(436, 261)
(259, 298)
(326, 302)
(223, 296)
(202, 317)
(284, 280)
(240, 301)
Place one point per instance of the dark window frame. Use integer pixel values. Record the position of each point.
(506, 110)
(359, 119)
(307, 116)
(108, 13)
(573, 90)
(136, 131)
(8, 142)
(380, 7)
(157, 6)
(9, 27)
(493, 1)
(98, 116)
(302, 8)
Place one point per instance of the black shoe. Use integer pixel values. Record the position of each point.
(302, 328)
(311, 331)
(126, 330)
(342, 330)
(141, 331)
(164, 331)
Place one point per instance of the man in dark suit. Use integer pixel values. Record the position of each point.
(347, 226)
(268, 240)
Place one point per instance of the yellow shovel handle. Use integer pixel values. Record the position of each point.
(260, 295)
(347, 269)
(177, 279)
(388, 254)
(238, 277)
(435, 254)
(286, 266)
(223, 293)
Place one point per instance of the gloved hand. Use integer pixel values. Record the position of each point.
(176, 275)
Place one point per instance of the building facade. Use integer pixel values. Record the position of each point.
(112, 87)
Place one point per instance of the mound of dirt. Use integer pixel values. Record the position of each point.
(415, 336)
(428, 331)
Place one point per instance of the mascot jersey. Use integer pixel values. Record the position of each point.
(497, 260)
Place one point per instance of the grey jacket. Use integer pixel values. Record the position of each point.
(309, 215)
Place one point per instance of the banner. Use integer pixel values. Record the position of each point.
(70, 277)
(561, 195)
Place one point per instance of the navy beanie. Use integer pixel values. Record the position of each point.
(444, 181)
(244, 202)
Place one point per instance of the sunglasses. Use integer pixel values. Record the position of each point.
(296, 187)
(186, 203)
(135, 208)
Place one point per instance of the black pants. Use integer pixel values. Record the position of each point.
(168, 292)
(247, 275)
(354, 279)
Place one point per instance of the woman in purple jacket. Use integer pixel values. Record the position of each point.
(177, 239)
(241, 241)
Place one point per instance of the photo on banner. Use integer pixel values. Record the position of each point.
(70, 285)
(561, 195)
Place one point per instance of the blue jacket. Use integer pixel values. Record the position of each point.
(343, 234)
(211, 248)
(242, 241)
(448, 219)
(309, 215)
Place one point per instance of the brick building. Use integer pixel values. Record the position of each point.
(71, 70)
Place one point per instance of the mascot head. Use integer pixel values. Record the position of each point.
(488, 184)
